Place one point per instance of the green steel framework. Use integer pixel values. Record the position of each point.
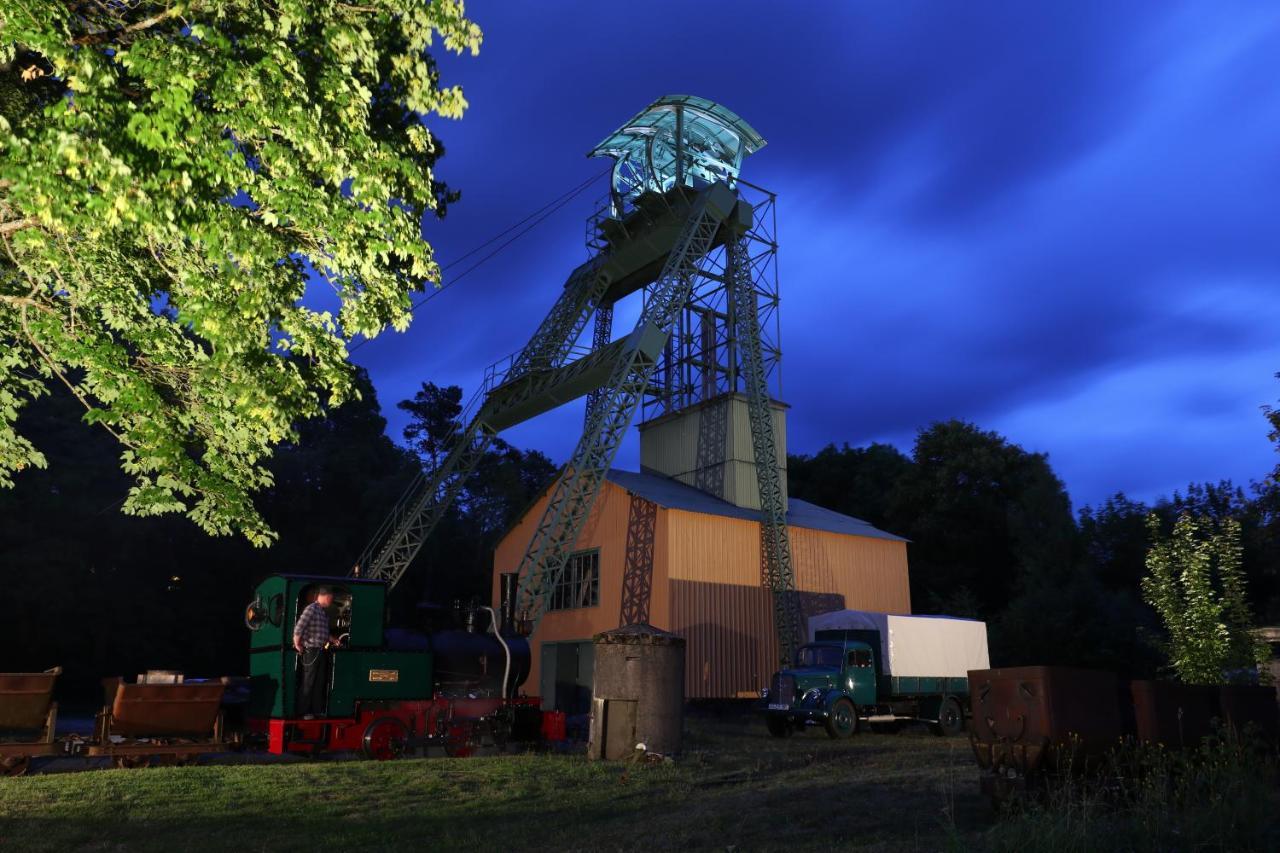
(708, 259)
(775, 541)
(574, 493)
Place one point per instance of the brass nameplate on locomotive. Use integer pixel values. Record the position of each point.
(384, 675)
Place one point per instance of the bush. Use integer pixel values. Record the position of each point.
(1221, 796)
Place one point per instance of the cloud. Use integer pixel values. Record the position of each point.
(1056, 220)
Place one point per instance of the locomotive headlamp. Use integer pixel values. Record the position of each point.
(255, 614)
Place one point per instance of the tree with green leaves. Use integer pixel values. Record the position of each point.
(173, 178)
(984, 515)
(433, 420)
(457, 560)
(857, 481)
(1195, 583)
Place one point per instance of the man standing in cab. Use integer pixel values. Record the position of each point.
(310, 636)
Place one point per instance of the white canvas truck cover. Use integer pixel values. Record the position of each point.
(937, 646)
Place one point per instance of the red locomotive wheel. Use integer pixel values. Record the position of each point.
(385, 739)
(458, 741)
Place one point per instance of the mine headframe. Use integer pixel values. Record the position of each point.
(674, 198)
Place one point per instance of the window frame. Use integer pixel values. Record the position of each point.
(579, 584)
(852, 659)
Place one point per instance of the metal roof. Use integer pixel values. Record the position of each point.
(673, 494)
(678, 139)
(644, 123)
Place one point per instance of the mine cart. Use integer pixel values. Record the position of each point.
(1030, 721)
(28, 716)
(161, 719)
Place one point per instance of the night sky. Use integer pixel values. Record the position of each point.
(1058, 221)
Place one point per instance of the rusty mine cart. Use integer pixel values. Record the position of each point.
(28, 717)
(159, 720)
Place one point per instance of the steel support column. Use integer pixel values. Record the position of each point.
(775, 541)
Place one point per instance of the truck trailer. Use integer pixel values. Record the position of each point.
(878, 669)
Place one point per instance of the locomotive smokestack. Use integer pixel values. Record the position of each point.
(510, 582)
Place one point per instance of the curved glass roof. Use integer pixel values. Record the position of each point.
(677, 139)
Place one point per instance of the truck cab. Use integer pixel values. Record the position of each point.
(828, 683)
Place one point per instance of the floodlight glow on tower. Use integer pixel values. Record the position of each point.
(678, 140)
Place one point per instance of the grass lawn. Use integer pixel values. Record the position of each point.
(735, 788)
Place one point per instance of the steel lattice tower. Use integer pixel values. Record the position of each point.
(681, 226)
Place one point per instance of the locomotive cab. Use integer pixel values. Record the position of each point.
(361, 668)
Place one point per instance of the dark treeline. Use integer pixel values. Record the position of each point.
(101, 593)
(993, 537)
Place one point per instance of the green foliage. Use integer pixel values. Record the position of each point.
(332, 485)
(1195, 583)
(984, 515)
(457, 560)
(857, 481)
(131, 593)
(170, 174)
(433, 413)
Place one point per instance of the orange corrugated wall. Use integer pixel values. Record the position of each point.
(726, 616)
(707, 586)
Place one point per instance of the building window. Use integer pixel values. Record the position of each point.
(579, 585)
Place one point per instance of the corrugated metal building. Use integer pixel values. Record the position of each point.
(659, 550)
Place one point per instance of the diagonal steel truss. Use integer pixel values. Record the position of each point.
(600, 337)
(575, 492)
(430, 494)
(420, 508)
(616, 374)
(775, 541)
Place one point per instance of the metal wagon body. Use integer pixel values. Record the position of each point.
(171, 722)
(28, 717)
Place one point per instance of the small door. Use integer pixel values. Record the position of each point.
(565, 676)
(619, 728)
(547, 676)
(860, 676)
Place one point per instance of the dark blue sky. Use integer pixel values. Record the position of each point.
(1059, 221)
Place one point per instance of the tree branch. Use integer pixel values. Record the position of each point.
(17, 225)
(112, 35)
(25, 301)
(75, 392)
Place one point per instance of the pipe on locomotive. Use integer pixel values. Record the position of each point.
(510, 583)
(493, 628)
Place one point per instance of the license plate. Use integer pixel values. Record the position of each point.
(778, 706)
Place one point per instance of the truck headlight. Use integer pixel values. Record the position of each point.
(764, 692)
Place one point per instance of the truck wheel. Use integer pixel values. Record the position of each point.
(779, 726)
(950, 719)
(843, 719)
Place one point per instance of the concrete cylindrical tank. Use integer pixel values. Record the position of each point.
(637, 694)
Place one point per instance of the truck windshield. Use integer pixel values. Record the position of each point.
(818, 656)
